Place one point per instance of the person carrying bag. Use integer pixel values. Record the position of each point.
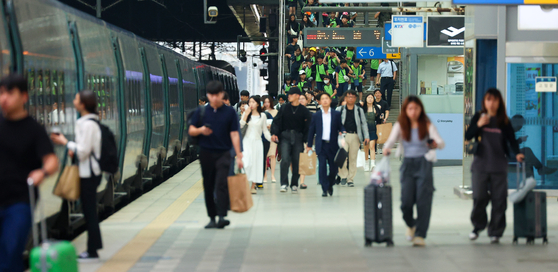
(239, 192)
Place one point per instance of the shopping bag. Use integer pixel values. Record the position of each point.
(380, 174)
(360, 158)
(68, 186)
(307, 163)
(239, 193)
(383, 131)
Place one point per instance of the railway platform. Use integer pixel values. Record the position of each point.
(163, 231)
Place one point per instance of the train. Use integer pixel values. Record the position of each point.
(145, 93)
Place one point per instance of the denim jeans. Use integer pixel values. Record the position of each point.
(15, 224)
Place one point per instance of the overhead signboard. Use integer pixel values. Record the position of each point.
(393, 56)
(370, 53)
(503, 2)
(344, 36)
(445, 31)
(535, 18)
(407, 31)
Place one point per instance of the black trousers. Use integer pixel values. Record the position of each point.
(291, 145)
(490, 187)
(324, 159)
(215, 170)
(386, 88)
(266, 145)
(88, 197)
(417, 188)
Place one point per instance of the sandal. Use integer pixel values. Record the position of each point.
(303, 186)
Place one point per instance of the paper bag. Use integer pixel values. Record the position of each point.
(307, 164)
(239, 193)
(361, 160)
(68, 186)
(383, 132)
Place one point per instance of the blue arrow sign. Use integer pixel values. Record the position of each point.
(370, 53)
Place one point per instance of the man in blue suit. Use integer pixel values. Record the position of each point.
(326, 126)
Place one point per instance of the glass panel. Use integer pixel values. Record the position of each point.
(535, 118)
(44, 61)
(173, 102)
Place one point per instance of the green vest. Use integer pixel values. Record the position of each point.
(350, 55)
(287, 88)
(301, 84)
(320, 70)
(357, 71)
(308, 71)
(313, 60)
(374, 64)
(330, 62)
(342, 75)
(329, 90)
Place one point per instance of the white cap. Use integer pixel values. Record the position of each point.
(301, 72)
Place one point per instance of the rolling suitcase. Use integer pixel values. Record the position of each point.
(378, 214)
(529, 216)
(49, 256)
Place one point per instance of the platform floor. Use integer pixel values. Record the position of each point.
(163, 231)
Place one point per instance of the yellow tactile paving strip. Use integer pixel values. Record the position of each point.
(126, 257)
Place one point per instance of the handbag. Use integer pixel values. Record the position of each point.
(383, 131)
(239, 192)
(340, 157)
(473, 146)
(68, 186)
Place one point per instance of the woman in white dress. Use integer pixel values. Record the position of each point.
(253, 156)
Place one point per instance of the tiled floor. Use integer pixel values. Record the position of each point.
(305, 232)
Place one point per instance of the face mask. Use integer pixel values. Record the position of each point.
(326, 81)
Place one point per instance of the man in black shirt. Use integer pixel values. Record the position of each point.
(218, 133)
(290, 128)
(26, 153)
(383, 106)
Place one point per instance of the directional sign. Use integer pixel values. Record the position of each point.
(393, 56)
(387, 49)
(370, 53)
(388, 31)
(408, 31)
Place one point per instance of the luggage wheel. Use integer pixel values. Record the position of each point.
(514, 240)
(530, 241)
(389, 243)
(545, 241)
(368, 243)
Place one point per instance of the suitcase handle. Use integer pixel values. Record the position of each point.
(524, 172)
(36, 242)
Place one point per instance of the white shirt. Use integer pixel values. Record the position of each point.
(387, 69)
(88, 141)
(326, 125)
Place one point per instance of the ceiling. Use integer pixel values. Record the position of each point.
(169, 20)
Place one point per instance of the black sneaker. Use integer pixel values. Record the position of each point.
(212, 224)
(85, 257)
(330, 191)
(223, 223)
(546, 170)
(350, 184)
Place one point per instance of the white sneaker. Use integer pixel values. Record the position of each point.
(294, 188)
(366, 166)
(473, 235)
(372, 164)
(494, 240)
(283, 188)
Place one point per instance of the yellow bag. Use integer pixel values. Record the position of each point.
(239, 193)
(68, 186)
(383, 132)
(307, 164)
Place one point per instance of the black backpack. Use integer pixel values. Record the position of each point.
(191, 139)
(109, 153)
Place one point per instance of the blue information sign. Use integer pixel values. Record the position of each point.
(370, 53)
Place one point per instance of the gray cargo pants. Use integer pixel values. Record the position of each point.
(417, 187)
